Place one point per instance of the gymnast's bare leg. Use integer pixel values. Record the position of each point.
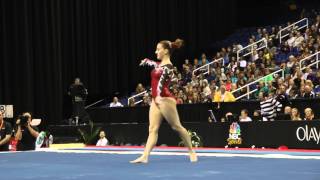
(169, 111)
(155, 119)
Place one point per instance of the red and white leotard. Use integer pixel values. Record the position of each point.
(161, 76)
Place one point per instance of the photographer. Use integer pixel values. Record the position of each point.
(25, 133)
(5, 133)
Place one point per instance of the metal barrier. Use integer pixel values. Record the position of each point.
(137, 95)
(248, 50)
(256, 81)
(317, 60)
(207, 66)
(284, 32)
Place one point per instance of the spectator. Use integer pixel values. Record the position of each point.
(269, 107)
(139, 88)
(5, 133)
(256, 115)
(295, 114)
(204, 59)
(291, 39)
(26, 134)
(223, 96)
(206, 89)
(244, 116)
(298, 40)
(287, 110)
(103, 141)
(196, 63)
(186, 64)
(308, 92)
(115, 103)
(227, 118)
(132, 103)
(145, 100)
(282, 97)
(308, 114)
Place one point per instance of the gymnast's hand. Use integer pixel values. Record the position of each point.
(143, 61)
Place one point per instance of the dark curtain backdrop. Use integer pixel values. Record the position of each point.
(45, 44)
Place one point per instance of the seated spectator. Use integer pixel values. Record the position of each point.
(115, 103)
(5, 133)
(132, 103)
(186, 64)
(308, 114)
(282, 97)
(204, 59)
(298, 40)
(287, 110)
(295, 114)
(103, 141)
(308, 93)
(244, 116)
(196, 63)
(256, 116)
(139, 88)
(223, 96)
(227, 117)
(205, 88)
(291, 39)
(146, 101)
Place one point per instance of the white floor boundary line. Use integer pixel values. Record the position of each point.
(274, 156)
(200, 154)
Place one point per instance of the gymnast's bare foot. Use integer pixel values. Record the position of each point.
(193, 157)
(140, 159)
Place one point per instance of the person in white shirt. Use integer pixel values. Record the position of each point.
(244, 116)
(291, 40)
(115, 103)
(103, 141)
(298, 40)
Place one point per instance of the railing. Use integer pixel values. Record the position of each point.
(284, 32)
(207, 66)
(256, 81)
(317, 60)
(92, 104)
(137, 95)
(262, 43)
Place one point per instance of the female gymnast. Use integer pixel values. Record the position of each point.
(163, 102)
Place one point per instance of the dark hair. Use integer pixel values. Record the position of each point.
(171, 46)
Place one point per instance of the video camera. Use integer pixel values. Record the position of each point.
(23, 119)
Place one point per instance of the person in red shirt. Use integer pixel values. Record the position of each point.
(163, 104)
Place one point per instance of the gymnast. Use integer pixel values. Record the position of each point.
(163, 104)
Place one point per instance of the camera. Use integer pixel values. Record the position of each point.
(23, 120)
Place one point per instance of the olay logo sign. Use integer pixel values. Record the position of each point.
(308, 134)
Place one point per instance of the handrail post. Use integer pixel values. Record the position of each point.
(300, 64)
(238, 55)
(317, 58)
(248, 92)
(252, 52)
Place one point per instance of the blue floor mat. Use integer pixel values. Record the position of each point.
(91, 166)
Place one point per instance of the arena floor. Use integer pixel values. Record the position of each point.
(112, 162)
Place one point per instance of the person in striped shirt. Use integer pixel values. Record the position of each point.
(269, 107)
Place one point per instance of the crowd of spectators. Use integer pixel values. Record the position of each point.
(231, 73)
